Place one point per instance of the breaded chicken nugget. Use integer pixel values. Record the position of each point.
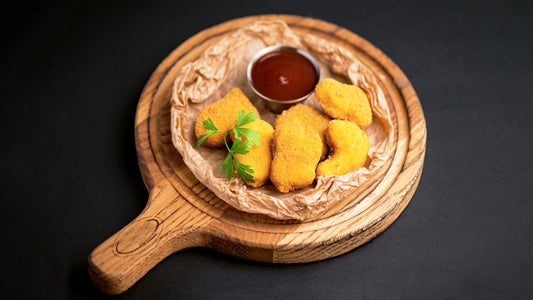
(344, 101)
(308, 117)
(224, 115)
(296, 152)
(259, 157)
(348, 148)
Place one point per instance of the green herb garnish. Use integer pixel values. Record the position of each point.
(244, 138)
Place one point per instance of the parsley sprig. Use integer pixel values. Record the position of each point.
(244, 138)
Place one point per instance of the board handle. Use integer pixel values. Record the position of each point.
(165, 226)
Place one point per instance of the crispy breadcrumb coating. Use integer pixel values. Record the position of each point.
(308, 117)
(259, 157)
(224, 114)
(348, 148)
(296, 153)
(344, 101)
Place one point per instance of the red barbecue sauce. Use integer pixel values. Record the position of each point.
(284, 75)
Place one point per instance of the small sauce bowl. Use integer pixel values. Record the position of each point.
(283, 76)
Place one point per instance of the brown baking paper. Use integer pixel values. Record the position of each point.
(222, 67)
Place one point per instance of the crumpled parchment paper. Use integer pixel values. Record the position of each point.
(222, 67)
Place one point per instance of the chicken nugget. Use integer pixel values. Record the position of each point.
(223, 113)
(259, 157)
(306, 116)
(296, 152)
(348, 148)
(344, 101)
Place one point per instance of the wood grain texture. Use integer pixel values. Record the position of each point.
(181, 212)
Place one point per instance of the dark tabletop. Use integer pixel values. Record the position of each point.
(71, 78)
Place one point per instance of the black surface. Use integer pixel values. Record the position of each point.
(71, 78)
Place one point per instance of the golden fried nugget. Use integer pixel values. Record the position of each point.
(348, 148)
(296, 152)
(223, 113)
(306, 116)
(259, 157)
(344, 101)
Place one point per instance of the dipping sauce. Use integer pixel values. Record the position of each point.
(284, 75)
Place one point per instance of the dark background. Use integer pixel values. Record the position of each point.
(71, 78)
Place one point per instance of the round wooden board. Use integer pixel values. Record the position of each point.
(181, 212)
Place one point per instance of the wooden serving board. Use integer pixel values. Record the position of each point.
(181, 212)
